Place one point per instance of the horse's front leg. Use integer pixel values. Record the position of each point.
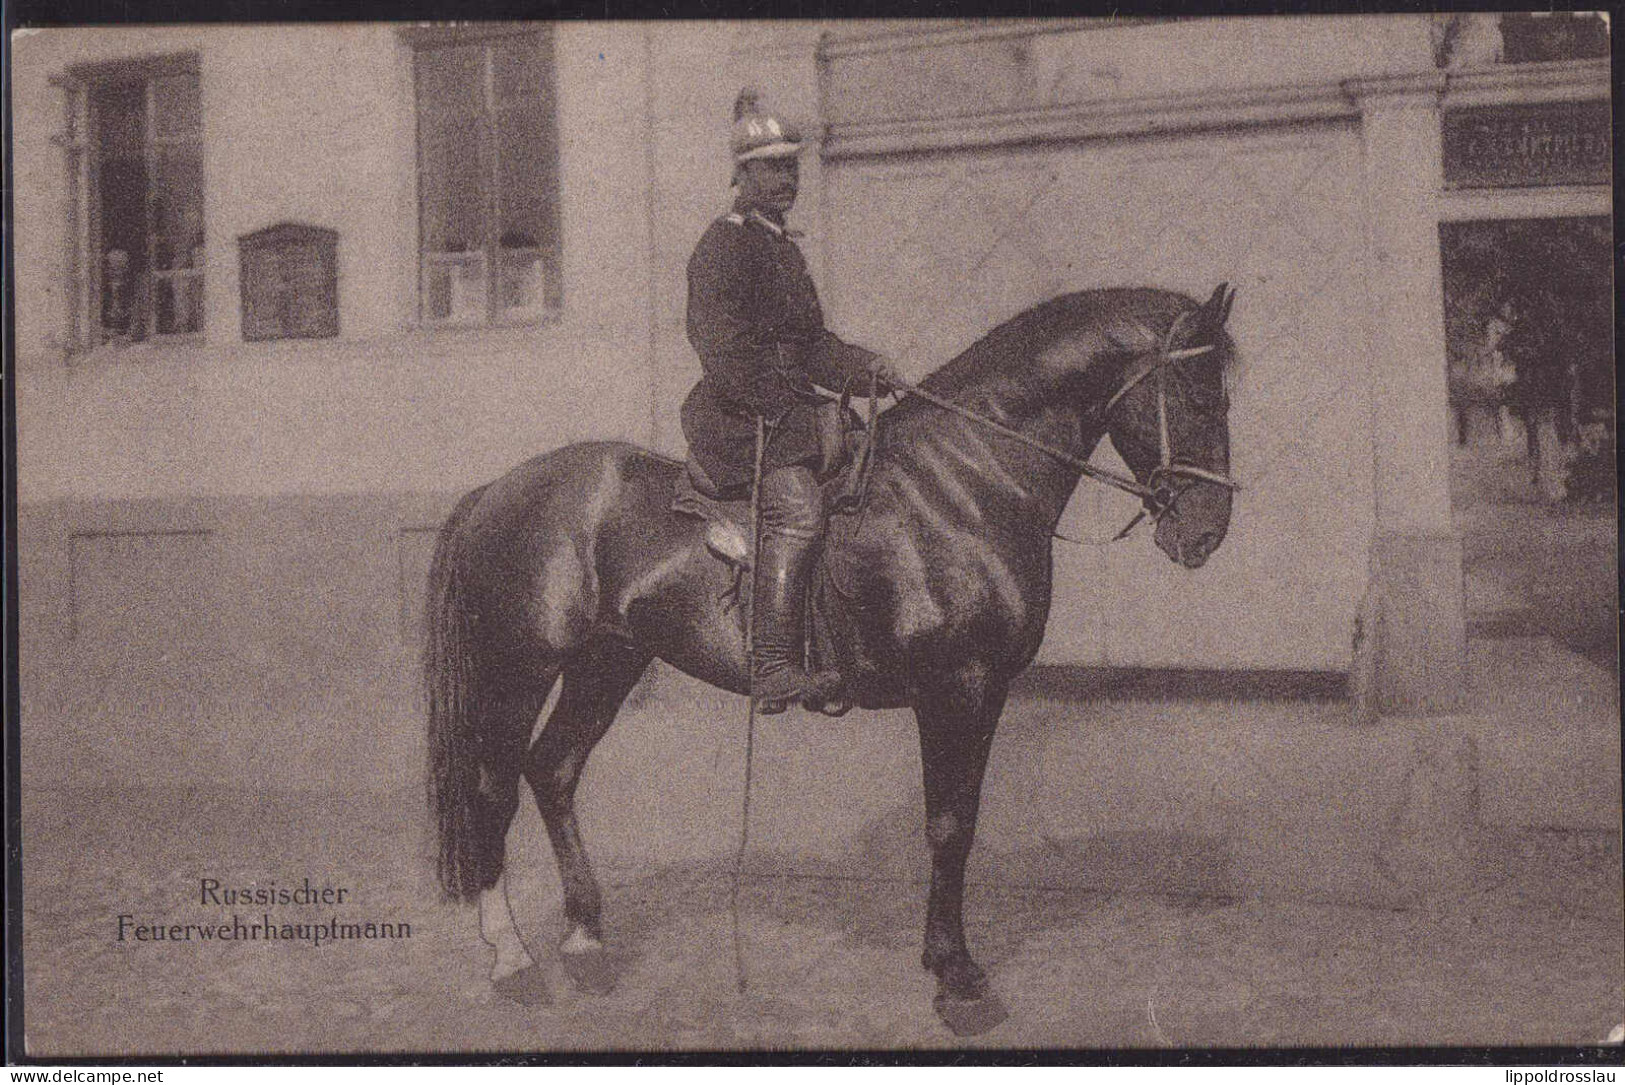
(957, 714)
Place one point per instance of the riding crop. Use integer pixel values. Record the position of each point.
(741, 975)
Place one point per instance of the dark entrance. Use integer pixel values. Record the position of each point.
(1529, 334)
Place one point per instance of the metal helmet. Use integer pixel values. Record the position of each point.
(761, 135)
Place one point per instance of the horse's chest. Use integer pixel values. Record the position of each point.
(982, 594)
(922, 577)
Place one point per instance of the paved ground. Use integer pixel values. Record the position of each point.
(1530, 951)
(1527, 948)
(1535, 568)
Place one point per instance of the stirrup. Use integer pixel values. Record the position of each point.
(815, 688)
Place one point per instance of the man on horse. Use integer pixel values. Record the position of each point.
(756, 323)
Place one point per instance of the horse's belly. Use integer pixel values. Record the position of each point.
(686, 609)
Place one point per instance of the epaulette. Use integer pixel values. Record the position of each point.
(773, 228)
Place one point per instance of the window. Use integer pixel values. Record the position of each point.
(134, 141)
(1553, 35)
(487, 175)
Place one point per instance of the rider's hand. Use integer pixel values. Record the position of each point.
(890, 374)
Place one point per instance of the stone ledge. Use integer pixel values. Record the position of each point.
(1212, 109)
(1165, 114)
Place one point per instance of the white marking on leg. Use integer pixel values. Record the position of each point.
(1151, 1013)
(579, 941)
(498, 931)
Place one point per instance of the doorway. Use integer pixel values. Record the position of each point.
(1529, 341)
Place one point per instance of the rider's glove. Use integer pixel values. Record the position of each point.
(891, 376)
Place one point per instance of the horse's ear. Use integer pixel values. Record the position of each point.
(1217, 309)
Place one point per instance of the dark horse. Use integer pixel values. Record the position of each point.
(573, 565)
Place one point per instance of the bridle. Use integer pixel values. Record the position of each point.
(1168, 481)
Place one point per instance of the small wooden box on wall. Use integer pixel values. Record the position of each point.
(289, 276)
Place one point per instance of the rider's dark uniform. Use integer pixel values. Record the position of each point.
(755, 321)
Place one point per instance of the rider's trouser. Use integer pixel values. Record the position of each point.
(791, 508)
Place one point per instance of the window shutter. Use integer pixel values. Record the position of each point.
(289, 276)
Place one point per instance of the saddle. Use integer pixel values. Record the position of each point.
(844, 479)
(843, 475)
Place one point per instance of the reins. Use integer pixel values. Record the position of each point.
(1099, 474)
(1159, 494)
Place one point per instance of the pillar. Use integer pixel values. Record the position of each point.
(1416, 606)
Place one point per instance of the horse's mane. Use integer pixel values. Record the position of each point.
(1130, 319)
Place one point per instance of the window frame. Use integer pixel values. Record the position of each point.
(80, 141)
(491, 254)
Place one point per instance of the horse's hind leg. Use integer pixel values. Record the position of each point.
(596, 682)
(510, 717)
(514, 974)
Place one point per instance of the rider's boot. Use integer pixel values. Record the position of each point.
(792, 528)
(778, 616)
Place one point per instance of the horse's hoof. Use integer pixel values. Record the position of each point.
(591, 970)
(528, 987)
(765, 707)
(835, 708)
(970, 1016)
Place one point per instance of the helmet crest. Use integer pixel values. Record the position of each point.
(760, 135)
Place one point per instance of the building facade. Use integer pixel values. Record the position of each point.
(283, 294)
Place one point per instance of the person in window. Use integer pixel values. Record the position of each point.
(115, 294)
(755, 321)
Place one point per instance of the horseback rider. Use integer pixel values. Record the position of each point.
(755, 321)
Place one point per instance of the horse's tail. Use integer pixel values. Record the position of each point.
(466, 862)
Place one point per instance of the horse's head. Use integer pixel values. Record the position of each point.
(1167, 418)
